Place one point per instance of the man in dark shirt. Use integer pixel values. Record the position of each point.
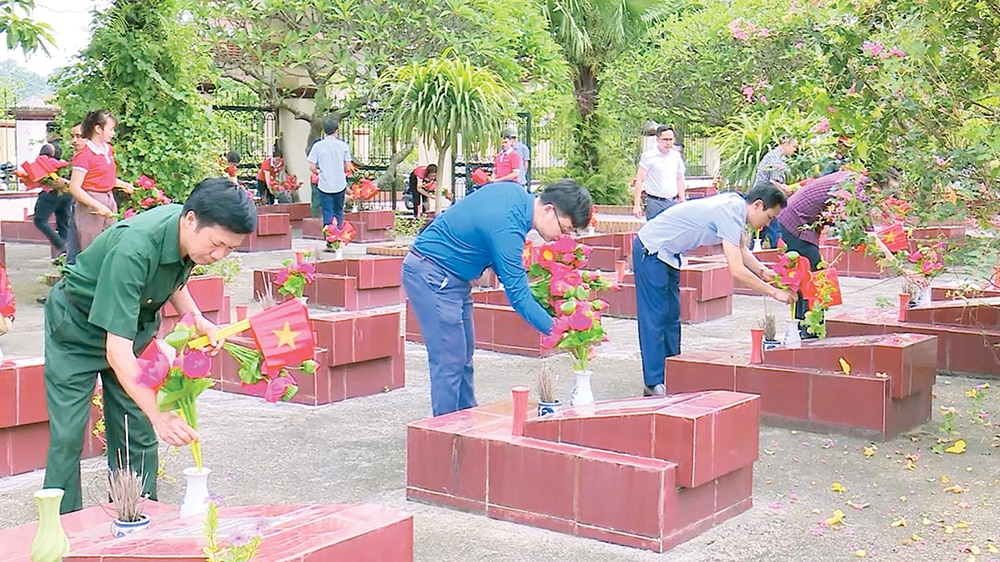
(484, 229)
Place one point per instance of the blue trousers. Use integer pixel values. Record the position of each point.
(658, 311)
(443, 305)
(771, 233)
(333, 206)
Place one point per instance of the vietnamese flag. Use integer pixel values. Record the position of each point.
(7, 305)
(283, 335)
(894, 237)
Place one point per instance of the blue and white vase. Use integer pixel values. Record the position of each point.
(121, 528)
(547, 408)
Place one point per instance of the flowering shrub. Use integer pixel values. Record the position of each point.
(145, 197)
(337, 238)
(297, 274)
(847, 214)
(561, 285)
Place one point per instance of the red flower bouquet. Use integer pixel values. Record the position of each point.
(339, 237)
(561, 285)
(43, 171)
(927, 260)
(793, 273)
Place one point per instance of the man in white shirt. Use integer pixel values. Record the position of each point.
(660, 175)
(330, 158)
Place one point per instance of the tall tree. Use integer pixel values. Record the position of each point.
(443, 100)
(144, 64)
(593, 34)
(338, 50)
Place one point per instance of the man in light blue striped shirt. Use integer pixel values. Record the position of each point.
(656, 259)
(329, 158)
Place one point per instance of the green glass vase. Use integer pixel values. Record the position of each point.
(50, 543)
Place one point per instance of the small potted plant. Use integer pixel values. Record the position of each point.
(125, 489)
(770, 327)
(547, 401)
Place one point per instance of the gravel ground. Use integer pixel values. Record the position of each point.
(902, 501)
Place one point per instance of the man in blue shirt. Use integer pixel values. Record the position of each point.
(329, 158)
(524, 152)
(656, 259)
(484, 229)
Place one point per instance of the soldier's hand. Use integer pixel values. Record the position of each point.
(173, 430)
(206, 327)
(785, 297)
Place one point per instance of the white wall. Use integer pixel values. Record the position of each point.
(30, 137)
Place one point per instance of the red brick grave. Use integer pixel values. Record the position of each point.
(608, 249)
(367, 359)
(353, 283)
(372, 226)
(295, 211)
(706, 294)
(273, 233)
(887, 392)
(24, 418)
(498, 327)
(208, 292)
(644, 472)
(307, 533)
(967, 330)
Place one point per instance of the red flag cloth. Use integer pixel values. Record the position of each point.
(835, 296)
(7, 305)
(830, 274)
(343, 235)
(283, 335)
(36, 171)
(894, 237)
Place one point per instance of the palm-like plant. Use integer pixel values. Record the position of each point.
(443, 100)
(592, 34)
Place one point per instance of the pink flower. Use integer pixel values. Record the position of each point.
(129, 213)
(281, 277)
(748, 93)
(852, 90)
(564, 245)
(196, 364)
(823, 125)
(798, 45)
(559, 328)
(897, 53)
(276, 388)
(736, 28)
(872, 48)
(187, 320)
(154, 372)
(914, 257)
(581, 320)
(145, 182)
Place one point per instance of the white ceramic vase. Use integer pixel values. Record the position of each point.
(582, 393)
(923, 297)
(196, 494)
(793, 338)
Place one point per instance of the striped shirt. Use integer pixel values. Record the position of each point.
(806, 206)
(771, 167)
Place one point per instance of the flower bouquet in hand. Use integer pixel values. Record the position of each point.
(146, 196)
(566, 290)
(792, 272)
(42, 172)
(297, 274)
(178, 374)
(337, 238)
(290, 184)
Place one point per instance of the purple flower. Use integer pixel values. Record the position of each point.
(196, 364)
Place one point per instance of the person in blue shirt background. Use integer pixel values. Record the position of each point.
(656, 259)
(485, 229)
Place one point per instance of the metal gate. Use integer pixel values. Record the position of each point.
(247, 127)
(465, 164)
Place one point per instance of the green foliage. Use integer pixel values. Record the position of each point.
(407, 226)
(21, 31)
(228, 268)
(144, 65)
(220, 550)
(745, 142)
(445, 101)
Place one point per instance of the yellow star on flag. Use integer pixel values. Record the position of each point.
(286, 336)
(889, 237)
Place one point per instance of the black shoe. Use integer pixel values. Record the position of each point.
(655, 390)
(41, 300)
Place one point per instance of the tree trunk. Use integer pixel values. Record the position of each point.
(586, 88)
(442, 161)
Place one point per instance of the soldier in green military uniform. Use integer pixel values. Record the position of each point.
(106, 310)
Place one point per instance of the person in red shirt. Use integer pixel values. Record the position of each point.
(507, 164)
(271, 170)
(94, 178)
(421, 186)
